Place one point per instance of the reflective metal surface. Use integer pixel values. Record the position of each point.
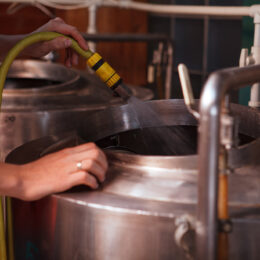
(43, 98)
(211, 109)
(134, 214)
(28, 77)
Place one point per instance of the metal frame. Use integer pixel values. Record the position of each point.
(212, 101)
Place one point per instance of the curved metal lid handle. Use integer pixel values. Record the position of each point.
(187, 90)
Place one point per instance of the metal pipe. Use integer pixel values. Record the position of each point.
(193, 10)
(212, 99)
(255, 89)
(92, 28)
(168, 76)
(223, 215)
(129, 37)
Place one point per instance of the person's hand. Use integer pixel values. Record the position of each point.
(84, 164)
(38, 50)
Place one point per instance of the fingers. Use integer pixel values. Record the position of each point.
(82, 177)
(94, 155)
(59, 171)
(58, 19)
(58, 25)
(71, 57)
(81, 147)
(56, 44)
(68, 58)
(94, 168)
(74, 58)
(89, 150)
(90, 157)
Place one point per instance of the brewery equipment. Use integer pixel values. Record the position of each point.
(43, 98)
(145, 210)
(102, 69)
(145, 204)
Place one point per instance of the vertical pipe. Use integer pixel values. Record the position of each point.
(205, 45)
(92, 14)
(168, 78)
(169, 70)
(205, 49)
(223, 204)
(255, 96)
(223, 193)
(3, 255)
(206, 239)
(212, 99)
(255, 90)
(10, 240)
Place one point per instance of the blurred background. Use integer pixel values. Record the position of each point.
(140, 49)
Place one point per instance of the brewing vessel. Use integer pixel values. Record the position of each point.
(42, 98)
(147, 201)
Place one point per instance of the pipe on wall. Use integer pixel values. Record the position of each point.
(197, 10)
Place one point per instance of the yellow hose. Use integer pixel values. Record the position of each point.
(12, 54)
(37, 37)
(102, 69)
(9, 228)
(2, 233)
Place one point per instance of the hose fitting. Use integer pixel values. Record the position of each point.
(104, 71)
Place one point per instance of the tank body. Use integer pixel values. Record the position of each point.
(42, 98)
(136, 213)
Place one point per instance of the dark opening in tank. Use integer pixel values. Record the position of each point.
(147, 141)
(27, 83)
(142, 141)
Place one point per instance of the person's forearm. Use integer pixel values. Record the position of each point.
(9, 180)
(7, 42)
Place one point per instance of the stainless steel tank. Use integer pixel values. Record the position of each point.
(143, 208)
(42, 98)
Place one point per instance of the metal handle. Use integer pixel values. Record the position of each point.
(187, 89)
(212, 101)
(185, 235)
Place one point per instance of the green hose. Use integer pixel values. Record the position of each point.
(2, 233)
(103, 70)
(12, 54)
(29, 40)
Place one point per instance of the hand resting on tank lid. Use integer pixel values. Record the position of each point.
(84, 164)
